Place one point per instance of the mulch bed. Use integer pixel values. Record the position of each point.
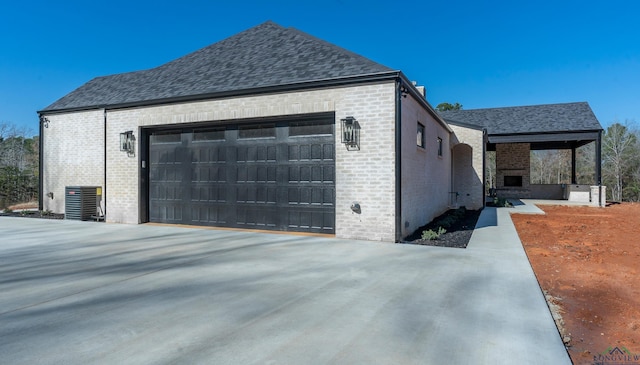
(33, 214)
(458, 235)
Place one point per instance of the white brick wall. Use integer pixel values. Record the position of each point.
(468, 157)
(73, 155)
(365, 176)
(74, 146)
(426, 177)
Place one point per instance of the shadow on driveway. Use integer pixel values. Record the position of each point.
(82, 293)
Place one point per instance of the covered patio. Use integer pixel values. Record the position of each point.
(513, 132)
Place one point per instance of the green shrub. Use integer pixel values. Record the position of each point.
(431, 235)
(501, 202)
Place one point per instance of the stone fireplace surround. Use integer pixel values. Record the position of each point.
(512, 167)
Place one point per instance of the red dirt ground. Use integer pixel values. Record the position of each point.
(589, 259)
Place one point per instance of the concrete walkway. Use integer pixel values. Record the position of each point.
(95, 293)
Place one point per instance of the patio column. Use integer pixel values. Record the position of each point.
(599, 158)
(574, 180)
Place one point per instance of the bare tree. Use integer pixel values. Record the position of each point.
(550, 167)
(490, 170)
(620, 153)
(18, 164)
(586, 164)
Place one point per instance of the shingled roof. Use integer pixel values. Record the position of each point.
(265, 56)
(548, 118)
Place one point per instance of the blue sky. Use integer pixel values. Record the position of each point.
(478, 53)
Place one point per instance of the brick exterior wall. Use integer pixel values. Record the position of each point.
(513, 159)
(426, 177)
(73, 155)
(468, 166)
(366, 176)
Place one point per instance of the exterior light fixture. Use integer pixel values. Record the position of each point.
(404, 91)
(44, 121)
(351, 133)
(127, 142)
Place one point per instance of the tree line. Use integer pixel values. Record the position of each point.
(18, 165)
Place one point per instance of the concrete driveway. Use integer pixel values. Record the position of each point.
(93, 293)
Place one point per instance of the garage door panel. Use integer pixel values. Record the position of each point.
(251, 176)
(329, 174)
(293, 153)
(314, 220)
(329, 196)
(208, 193)
(306, 195)
(256, 217)
(167, 191)
(328, 152)
(209, 214)
(308, 174)
(305, 174)
(168, 213)
(266, 194)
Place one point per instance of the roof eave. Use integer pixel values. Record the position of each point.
(544, 132)
(464, 124)
(314, 84)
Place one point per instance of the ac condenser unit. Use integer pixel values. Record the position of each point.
(80, 202)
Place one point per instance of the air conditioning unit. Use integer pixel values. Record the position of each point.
(81, 202)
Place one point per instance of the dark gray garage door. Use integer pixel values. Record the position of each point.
(274, 175)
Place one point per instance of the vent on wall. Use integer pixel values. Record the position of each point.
(80, 202)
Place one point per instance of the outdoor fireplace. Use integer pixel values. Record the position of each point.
(512, 181)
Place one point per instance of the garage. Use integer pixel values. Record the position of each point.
(276, 174)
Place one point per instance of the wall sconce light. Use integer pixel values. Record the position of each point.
(44, 121)
(351, 133)
(404, 91)
(127, 142)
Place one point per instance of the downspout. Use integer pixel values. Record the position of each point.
(398, 153)
(104, 190)
(485, 140)
(40, 165)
